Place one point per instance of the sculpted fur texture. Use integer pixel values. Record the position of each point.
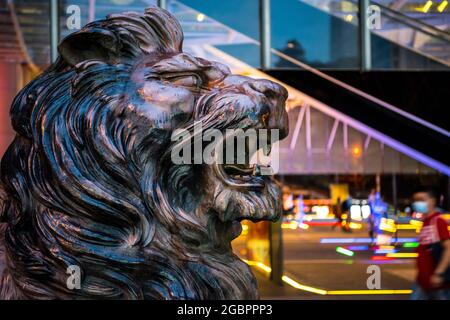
(88, 180)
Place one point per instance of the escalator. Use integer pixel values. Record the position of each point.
(422, 136)
(408, 122)
(212, 31)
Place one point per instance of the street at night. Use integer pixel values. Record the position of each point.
(319, 266)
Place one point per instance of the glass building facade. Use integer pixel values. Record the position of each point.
(325, 34)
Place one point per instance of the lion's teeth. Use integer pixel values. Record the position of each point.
(259, 170)
(260, 158)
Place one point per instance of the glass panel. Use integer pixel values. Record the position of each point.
(220, 30)
(90, 10)
(398, 41)
(33, 24)
(306, 31)
(434, 13)
(402, 41)
(213, 29)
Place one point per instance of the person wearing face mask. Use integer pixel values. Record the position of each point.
(433, 258)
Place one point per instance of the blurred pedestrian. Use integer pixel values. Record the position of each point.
(299, 209)
(378, 210)
(345, 214)
(337, 213)
(288, 203)
(433, 261)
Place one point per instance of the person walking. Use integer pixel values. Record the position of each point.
(433, 259)
(378, 210)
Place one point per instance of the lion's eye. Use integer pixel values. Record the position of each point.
(186, 81)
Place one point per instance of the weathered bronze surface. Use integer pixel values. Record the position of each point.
(88, 180)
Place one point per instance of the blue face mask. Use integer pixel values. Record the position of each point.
(420, 206)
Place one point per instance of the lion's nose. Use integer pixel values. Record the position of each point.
(276, 96)
(269, 88)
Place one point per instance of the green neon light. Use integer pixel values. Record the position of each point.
(410, 245)
(345, 251)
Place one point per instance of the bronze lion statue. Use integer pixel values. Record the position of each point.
(88, 180)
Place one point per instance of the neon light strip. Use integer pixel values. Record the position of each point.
(258, 264)
(402, 255)
(383, 251)
(426, 7)
(407, 227)
(360, 240)
(358, 248)
(381, 258)
(410, 245)
(299, 286)
(302, 287)
(320, 223)
(442, 6)
(368, 292)
(345, 251)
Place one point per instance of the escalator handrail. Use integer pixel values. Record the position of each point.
(414, 23)
(363, 94)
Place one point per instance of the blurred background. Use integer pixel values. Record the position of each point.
(368, 88)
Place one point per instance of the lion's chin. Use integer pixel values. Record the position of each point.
(234, 204)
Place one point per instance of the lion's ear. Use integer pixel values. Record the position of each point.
(93, 43)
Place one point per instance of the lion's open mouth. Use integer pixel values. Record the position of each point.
(247, 166)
